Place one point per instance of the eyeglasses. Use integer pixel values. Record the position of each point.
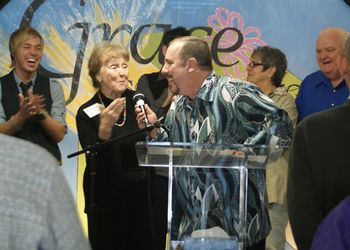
(255, 64)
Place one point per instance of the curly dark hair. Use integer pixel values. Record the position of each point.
(273, 57)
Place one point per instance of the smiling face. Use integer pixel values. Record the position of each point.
(329, 46)
(27, 57)
(113, 76)
(255, 71)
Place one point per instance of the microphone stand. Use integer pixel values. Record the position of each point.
(91, 155)
(98, 145)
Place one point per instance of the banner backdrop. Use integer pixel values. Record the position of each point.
(232, 29)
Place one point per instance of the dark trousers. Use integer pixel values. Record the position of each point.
(159, 198)
(258, 246)
(127, 226)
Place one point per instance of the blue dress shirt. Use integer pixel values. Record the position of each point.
(316, 93)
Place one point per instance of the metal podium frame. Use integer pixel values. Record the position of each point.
(193, 155)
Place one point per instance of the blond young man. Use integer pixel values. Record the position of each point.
(32, 106)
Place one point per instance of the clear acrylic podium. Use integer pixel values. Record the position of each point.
(204, 174)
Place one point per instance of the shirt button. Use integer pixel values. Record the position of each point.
(334, 91)
(332, 104)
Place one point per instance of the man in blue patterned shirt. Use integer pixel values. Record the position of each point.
(214, 109)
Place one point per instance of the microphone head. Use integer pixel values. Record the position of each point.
(138, 96)
(139, 99)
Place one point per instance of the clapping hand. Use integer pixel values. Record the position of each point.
(30, 105)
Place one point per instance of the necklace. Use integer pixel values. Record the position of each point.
(124, 112)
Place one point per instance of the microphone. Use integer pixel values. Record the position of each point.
(139, 100)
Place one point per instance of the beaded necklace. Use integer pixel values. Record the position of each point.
(124, 113)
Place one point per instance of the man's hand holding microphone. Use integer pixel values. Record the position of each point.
(144, 114)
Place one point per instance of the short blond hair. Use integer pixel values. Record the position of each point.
(101, 54)
(19, 36)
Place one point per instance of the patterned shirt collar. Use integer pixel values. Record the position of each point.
(204, 92)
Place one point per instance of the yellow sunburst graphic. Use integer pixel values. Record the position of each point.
(62, 57)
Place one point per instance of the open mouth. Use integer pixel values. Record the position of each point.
(31, 61)
(326, 62)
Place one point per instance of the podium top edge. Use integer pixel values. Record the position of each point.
(207, 145)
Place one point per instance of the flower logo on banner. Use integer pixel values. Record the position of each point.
(243, 40)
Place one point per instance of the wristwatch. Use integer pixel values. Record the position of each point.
(42, 115)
